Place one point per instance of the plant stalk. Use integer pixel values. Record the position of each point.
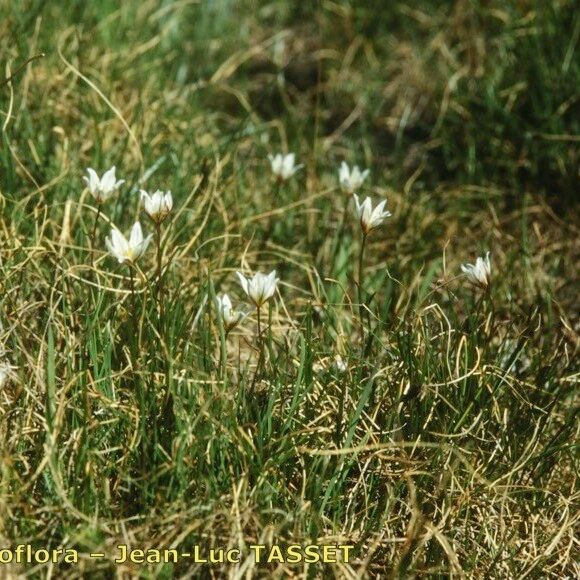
(94, 233)
(360, 288)
(159, 270)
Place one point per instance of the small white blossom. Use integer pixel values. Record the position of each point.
(260, 288)
(102, 188)
(283, 166)
(479, 273)
(6, 369)
(4, 373)
(157, 205)
(340, 364)
(230, 317)
(351, 179)
(370, 218)
(128, 250)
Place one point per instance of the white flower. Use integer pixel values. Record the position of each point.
(260, 288)
(6, 372)
(340, 364)
(230, 317)
(128, 250)
(479, 273)
(157, 205)
(6, 369)
(283, 166)
(370, 218)
(351, 179)
(104, 187)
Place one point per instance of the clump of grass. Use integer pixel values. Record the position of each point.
(439, 441)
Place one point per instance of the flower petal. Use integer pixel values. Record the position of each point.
(136, 236)
(243, 283)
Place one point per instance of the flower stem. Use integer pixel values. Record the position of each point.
(223, 355)
(260, 338)
(159, 269)
(491, 307)
(260, 344)
(360, 288)
(339, 423)
(94, 233)
(133, 297)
